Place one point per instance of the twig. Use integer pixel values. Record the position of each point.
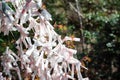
(75, 10)
(80, 16)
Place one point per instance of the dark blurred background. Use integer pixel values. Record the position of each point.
(99, 49)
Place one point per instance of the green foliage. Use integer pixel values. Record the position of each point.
(90, 37)
(102, 17)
